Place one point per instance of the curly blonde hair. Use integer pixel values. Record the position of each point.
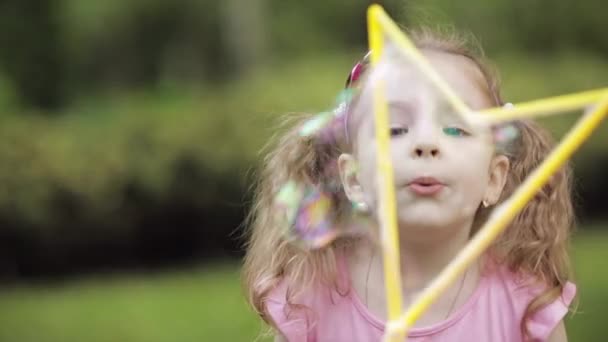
(535, 243)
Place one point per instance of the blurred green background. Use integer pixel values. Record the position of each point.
(130, 132)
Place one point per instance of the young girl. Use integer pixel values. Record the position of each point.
(447, 178)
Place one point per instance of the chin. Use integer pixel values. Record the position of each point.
(423, 220)
(435, 213)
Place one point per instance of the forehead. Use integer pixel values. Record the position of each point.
(405, 80)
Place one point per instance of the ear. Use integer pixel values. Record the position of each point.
(499, 169)
(347, 166)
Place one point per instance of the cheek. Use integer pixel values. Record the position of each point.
(366, 169)
(470, 177)
(472, 166)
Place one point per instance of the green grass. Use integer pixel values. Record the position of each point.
(589, 254)
(207, 305)
(194, 305)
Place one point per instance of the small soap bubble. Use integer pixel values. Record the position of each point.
(344, 98)
(505, 134)
(288, 199)
(309, 215)
(317, 123)
(314, 223)
(330, 119)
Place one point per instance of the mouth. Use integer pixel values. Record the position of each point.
(425, 186)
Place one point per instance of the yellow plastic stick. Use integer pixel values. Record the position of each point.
(385, 182)
(501, 217)
(408, 48)
(542, 107)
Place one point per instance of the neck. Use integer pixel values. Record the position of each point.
(422, 259)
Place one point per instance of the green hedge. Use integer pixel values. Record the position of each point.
(100, 145)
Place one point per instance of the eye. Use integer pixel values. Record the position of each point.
(455, 132)
(397, 131)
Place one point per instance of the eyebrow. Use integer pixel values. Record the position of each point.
(453, 118)
(409, 106)
(400, 110)
(446, 114)
(400, 104)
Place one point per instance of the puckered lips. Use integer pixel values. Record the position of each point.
(425, 186)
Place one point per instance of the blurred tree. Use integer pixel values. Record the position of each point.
(147, 42)
(540, 26)
(310, 27)
(244, 30)
(31, 53)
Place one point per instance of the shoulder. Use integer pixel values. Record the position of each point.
(516, 291)
(315, 310)
(295, 311)
(287, 313)
(523, 288)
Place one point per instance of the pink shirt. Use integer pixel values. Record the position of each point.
(493, 313)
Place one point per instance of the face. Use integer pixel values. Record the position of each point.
(443, 169)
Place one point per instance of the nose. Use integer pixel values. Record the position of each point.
(425, 150)
(425, 144)
(425, 135)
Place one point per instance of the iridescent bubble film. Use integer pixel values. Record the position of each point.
(288, 200)
(326, 124)
(309, 215)
(505, 134)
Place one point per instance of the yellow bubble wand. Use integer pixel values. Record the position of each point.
(399, 322)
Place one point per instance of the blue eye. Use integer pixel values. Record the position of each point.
(396, 131)
(455, 131)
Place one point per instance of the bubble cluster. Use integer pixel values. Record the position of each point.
(307, 210)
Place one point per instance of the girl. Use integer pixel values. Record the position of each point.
(447, 178)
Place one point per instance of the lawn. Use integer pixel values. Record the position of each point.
(205, 304)
(183, 305)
